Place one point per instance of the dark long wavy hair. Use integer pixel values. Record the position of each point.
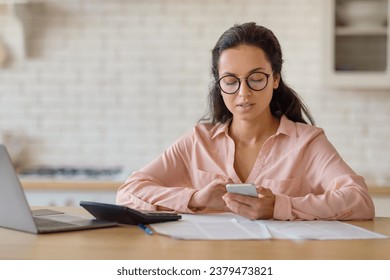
(285, 101)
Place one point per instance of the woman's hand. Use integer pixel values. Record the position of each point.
(254, 208)
(210, 197)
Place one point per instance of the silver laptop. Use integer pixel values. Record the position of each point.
(15, 211)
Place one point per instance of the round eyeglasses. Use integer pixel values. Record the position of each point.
(256, 81)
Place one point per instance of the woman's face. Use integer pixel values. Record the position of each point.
(247, 103)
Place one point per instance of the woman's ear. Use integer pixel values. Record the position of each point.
(276, 81)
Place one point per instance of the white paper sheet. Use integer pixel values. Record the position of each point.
(319, 230)
(227, 226)
(224, 226)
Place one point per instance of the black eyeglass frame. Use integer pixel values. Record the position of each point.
(246, 81)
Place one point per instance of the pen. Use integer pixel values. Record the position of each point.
(145, 229)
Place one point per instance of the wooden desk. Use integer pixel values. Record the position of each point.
(130, 242)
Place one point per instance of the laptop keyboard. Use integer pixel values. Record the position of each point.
(47, 223)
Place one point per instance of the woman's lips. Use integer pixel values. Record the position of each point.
(245, 105)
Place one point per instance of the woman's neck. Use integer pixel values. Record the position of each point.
(249, 132)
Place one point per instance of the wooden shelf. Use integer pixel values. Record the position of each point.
(361, 31)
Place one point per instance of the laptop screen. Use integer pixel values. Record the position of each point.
(15, 212)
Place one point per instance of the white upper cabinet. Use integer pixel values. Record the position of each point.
(357, 44)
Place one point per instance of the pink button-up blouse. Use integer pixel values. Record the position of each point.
(309, 178)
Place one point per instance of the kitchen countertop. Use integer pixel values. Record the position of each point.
(71, 185)
(380, 191)
(114, 185)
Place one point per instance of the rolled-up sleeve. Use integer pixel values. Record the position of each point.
(162, 184)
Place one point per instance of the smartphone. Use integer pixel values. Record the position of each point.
(245, 189)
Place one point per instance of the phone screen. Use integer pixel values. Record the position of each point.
(245, 189)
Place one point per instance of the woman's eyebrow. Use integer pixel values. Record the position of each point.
(256, 69)
(251, 71)
(227, 73)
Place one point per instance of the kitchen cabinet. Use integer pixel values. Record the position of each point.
(12, 29)
(382, 205)
(381, 198)
(357, 44)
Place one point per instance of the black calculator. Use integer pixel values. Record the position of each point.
(126, 215)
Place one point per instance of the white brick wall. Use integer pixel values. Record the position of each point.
(115, 82)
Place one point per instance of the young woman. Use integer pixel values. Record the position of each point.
(256, 133)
